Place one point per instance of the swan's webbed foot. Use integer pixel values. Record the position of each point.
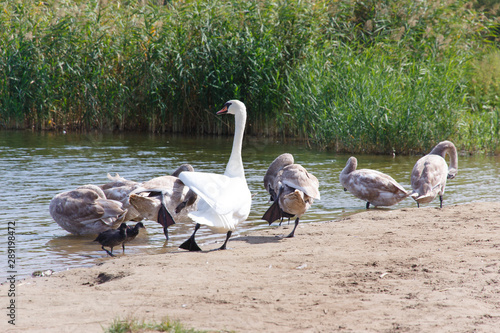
(273, 213)
(292, 234)
(164, 217)
(223, 247)
(190, 243)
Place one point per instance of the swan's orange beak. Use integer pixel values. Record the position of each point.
(224, 109)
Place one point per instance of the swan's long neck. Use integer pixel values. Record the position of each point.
(351, 166)
(234, 167)
(447, 147)
(453, 168)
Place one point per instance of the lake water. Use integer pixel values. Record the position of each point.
(37, 166)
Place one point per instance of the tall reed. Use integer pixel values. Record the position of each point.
(348, 75)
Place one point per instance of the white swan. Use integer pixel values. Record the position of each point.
(374, 187)
(85, 210)
(163, 198)
(428, 177)
(225, 200)
(292, 189)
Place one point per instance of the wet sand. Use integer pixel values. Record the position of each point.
(383, 270)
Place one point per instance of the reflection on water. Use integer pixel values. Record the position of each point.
(37, 166)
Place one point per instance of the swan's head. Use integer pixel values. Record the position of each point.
(351, 165)
(233, 107)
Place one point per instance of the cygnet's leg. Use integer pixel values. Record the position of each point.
(295, 227)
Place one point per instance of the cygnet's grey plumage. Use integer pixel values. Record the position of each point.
(85, 210)
(372, 186)
(119, 189)
(164, 199)
(428, 177)
(292, 189)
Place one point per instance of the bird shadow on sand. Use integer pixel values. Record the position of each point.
(258, 239)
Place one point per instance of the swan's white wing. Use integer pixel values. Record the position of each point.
(220, 192)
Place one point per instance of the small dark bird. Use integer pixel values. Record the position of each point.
(132, 233)
(112, 238)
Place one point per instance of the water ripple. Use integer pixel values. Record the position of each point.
(37, 166)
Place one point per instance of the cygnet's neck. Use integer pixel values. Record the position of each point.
(351, 165)
(447, 147)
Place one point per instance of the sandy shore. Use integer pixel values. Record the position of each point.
(398, 270)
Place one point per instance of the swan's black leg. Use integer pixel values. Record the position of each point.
(123, 247)
(418, 205)
(165, 232)
(223, 247)
(295, 227)
(440, 201)
(367, 205)
(190, 243)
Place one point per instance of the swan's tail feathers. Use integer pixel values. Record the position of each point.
(422, 198)
(116, 177)
(122, 217)
(273, 213)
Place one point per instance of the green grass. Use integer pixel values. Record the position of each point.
(357, 76)
(135, 326)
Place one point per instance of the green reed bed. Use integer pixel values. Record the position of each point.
(372, 76)
(365, 102)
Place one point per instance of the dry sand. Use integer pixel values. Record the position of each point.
(397, 270)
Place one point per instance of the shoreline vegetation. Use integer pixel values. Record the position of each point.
(350, 76)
